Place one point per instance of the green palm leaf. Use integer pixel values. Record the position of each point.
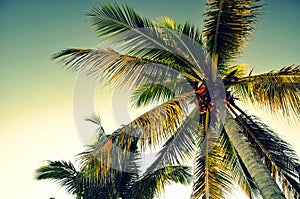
(153, 184)
(228, 25)
(155, 93)
(212, 179)
(63, 172)
(179, 148)
(137, 36)
(125, 71)
(277, 90)
(156, 125)
(186, 28)
(150, 93)
(218, 169)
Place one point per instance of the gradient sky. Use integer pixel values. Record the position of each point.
(36, 93)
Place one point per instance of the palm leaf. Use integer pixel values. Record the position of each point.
(143, 42)
(149, 93)
(155, 93)
(218, 169)
(123, 70)
(134, 35)
(153, 184)
(111, 20)
(277, 154)
(185, 40)
(158, 124)
(150, 129)
(179, 148)
(63, 172)
(186, 28)
(107, 167)
(277, 90)
(228, 25)
(239, 71)
(212, 179)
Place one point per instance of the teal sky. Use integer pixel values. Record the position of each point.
(36, 93)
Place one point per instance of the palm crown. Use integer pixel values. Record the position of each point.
(156, 61)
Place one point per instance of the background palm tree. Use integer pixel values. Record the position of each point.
(246, 152)
(94, 180)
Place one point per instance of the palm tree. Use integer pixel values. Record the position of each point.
(142, 58)
(114, 182)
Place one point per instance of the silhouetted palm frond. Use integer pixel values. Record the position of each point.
(62, 172)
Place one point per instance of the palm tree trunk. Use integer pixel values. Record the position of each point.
(258, 171)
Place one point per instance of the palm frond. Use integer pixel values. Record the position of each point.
(228, 25)
(62, 172)
(179, 148)
(212, 178)
(156, 125)
(239, 71)
(149, 93)
(142, 43)
(154, 93)
(218, 169)
(150, 129)
(184, 40)
(281, 160)
(124, 71)
(277, 90)
(111, 20)
(186, 28)
(134, 35)
(153, 184)
(105, 164)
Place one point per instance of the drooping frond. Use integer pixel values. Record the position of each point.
(281, 160)
(228, 25)
(153, 184)
(150, 129)
(62, 172)
(96, 120)
(107, 169)
(156, 125)
(277, 90)
(218, 170)
(212, 178)
(179, 148)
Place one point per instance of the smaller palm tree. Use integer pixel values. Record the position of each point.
(110, 173)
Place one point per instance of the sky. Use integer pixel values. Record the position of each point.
(36, 103)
